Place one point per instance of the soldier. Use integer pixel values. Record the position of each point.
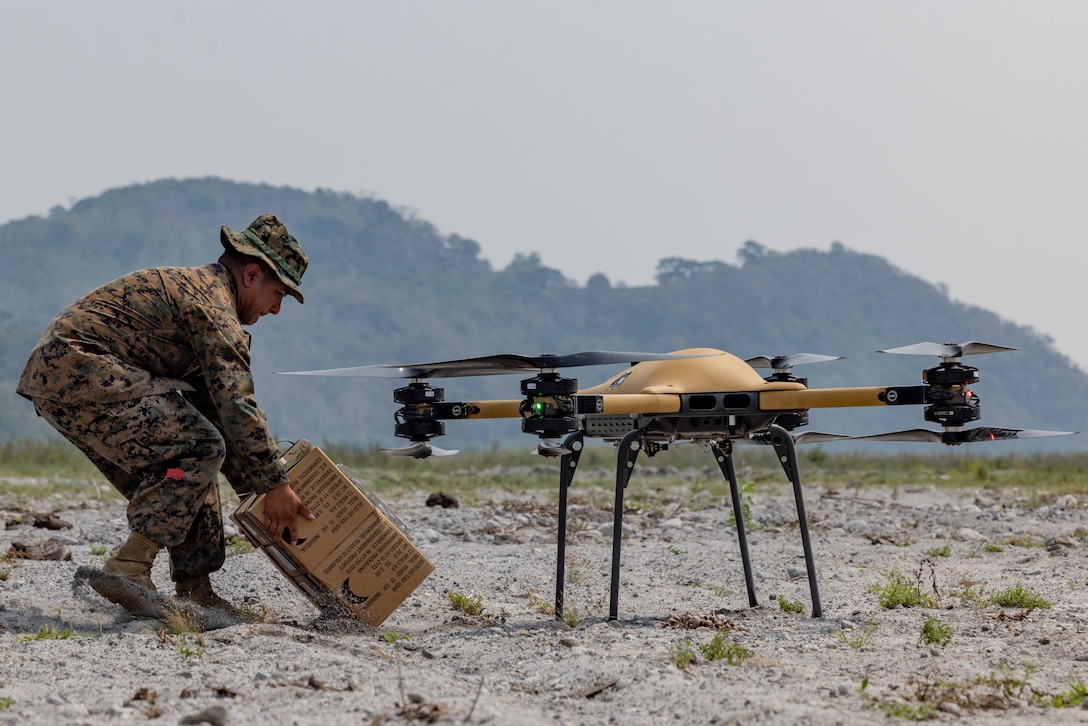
(149, 376)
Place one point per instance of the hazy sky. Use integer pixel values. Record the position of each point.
(949, 137)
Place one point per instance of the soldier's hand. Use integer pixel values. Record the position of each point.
(281, 508)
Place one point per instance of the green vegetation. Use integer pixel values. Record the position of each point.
(906, 711)
(860, 638)
(540, 604)
(908, 591)
(51, 632)
(936, 632)
(1075, 696)
(184, 631)
(998, 690)
(969, 592)
(393, 636)
(180, 620)
(5, 703)
(472, 606)
(34, 469)
(577, 570)
(921, 590)
(682, 654)
(1023, 540)
(54, 460)
(1018, 596)
(747, 489)
(573, 613)
(189, 649)
(722, 647)
(790, 606)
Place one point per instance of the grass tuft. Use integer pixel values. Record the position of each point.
(50, 632)
(1018, 596)
(906, 591)
(722, 647)
(682, 654)
(790, 606)
(936, 632)
(472, 606)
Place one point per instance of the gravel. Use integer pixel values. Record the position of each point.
(682, 601)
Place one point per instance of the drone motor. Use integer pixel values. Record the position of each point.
(548, 408)
(952, 403)
(416, 420)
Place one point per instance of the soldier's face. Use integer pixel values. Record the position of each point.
(260, 293)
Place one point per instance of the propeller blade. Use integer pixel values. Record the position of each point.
(948, 350)
(551, 449)
(966, 436)
(917, 435)
(991, 433)
(789, 361)
(493, 365)
(420, 450)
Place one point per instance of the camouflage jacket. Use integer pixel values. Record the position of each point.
(154, 331)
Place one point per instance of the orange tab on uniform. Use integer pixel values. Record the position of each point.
(175, 473)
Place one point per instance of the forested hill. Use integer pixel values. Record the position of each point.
(385, 287)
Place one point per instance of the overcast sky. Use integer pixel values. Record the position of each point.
(949, 137)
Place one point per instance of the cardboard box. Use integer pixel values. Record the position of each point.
(354, 556)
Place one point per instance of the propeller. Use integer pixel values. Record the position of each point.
(948, 350)
(420, 450)
(550, 447)
(493, 365)
(951, 438)
(783, 362)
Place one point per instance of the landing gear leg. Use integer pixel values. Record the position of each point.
(627, 452)
(724, 456)
(568, 463)
(783, 445)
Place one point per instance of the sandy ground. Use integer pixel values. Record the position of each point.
(683, 610)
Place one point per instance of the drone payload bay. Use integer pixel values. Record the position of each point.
(699, 395)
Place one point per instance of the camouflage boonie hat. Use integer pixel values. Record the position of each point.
(269, 240)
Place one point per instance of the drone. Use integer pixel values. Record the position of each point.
(701, 396)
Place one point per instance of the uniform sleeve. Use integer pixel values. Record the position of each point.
(223, 358)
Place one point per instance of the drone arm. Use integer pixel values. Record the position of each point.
(494, 409)
(823, 398)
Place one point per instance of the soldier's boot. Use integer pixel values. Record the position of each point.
(125, 579)
(199, 590)
(133, 561)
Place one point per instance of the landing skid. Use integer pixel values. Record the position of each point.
(626, 454)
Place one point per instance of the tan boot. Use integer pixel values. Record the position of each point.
(199, 590)
(133, 561)
(125, 579)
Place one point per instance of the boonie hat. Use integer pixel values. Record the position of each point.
(269, 240)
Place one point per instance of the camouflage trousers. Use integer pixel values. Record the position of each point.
(164, 457)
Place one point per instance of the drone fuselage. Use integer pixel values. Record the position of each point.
(713, 394)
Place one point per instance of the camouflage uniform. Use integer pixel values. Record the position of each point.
(149, 376)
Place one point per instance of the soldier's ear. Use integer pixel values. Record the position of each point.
(252, 274)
